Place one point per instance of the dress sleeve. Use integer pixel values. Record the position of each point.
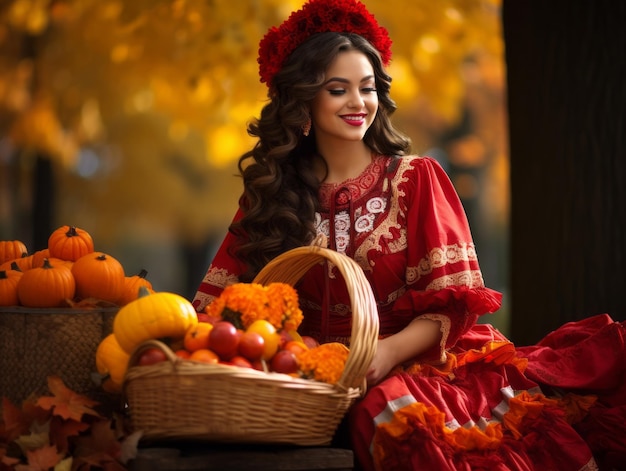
(443, 277)
(224, 270)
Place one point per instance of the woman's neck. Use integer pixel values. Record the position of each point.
(343, 162)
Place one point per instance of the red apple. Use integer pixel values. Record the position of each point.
(224, 339)
(251, 345)
(284, 362)
(310, 341)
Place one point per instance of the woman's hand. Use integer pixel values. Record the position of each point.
(383, 362)
(417, 337)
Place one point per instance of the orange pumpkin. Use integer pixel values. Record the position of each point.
(46, 286)
(99, 276)
(11, 265)
(8, 287)
(23, 263)
(38, 257)
(12, 249)
(70, 243)
(132, 285)
(111, 363)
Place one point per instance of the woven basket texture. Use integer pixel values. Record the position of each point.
(37, 343)
(180, 399)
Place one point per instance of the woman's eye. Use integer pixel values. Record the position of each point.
(337, 91)
(369, 90)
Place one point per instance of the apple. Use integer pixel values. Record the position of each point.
(310, 341)
(251, 345)
(284, 362)
(224, 339)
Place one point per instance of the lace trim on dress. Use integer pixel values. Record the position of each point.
(469, 278)
(358, 185)
(219, 277)
(444, 328)
(398, 243)
(438, 257)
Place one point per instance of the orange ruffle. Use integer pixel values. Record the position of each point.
(432, 421)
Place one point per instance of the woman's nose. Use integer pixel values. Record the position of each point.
(356, 100)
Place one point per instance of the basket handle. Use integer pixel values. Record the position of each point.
(292, 265)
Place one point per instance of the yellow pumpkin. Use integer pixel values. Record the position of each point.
(161, 315)
(111, 363)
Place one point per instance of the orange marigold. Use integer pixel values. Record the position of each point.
(244, 303)
(323, 363)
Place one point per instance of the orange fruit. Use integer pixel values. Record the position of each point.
(197, 336)
(269, 334)
(204, 355)
(182, 353)
(295, 347)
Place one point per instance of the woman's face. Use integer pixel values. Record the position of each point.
(347, 103)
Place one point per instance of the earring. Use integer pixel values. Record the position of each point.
(306, 127)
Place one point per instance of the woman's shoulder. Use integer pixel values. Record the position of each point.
(413, 163)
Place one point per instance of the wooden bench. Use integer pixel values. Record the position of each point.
(222, 457)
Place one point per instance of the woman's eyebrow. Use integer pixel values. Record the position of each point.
(344, 80)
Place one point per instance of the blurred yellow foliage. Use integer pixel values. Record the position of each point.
(163, 89)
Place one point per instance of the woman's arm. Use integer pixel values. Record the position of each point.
(417, 337)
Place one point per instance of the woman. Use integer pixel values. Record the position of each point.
(445, 393)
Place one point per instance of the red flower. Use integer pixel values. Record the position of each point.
(319, 16)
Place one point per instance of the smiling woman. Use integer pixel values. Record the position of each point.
(329, 169)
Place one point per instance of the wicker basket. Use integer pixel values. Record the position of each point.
(180, 399)
(36, 343)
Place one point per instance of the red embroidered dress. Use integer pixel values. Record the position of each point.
(402, 221)
(467, 403)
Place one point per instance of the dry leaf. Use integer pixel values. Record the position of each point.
(66, 403)
(129, 447)
(102, 439)
(34, 441)
(14, 422)
(62, 430)
(41, 459)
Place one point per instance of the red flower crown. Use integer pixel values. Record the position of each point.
(319, 16)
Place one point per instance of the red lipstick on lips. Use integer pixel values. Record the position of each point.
(354, 119)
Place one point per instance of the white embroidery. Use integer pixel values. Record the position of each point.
(364, 223)
(376, 205)
(342, 223)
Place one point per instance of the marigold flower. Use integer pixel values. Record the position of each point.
(323, 363)
(243, 303)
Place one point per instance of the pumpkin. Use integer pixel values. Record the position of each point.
(70, 243)
(132, 285)
(46, 286)
(161, 315)
(54, 262)
(11, 265)
(8, 287)
(99, 276)
(111, 363)
(23, 263)
(12, 249)
(38, 257)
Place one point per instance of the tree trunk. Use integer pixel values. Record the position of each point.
(567, 106)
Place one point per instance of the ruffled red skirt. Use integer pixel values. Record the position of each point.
(557, 405)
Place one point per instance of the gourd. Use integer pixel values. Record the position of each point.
(38, 257)
(132, 285)
(22, 263)
(99, 276)
(12, 249)
(8, 287)
(46, 286)
(111, 363)
(70, 243)
(161, 315)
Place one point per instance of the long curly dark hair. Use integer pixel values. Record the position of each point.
(280, 189)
